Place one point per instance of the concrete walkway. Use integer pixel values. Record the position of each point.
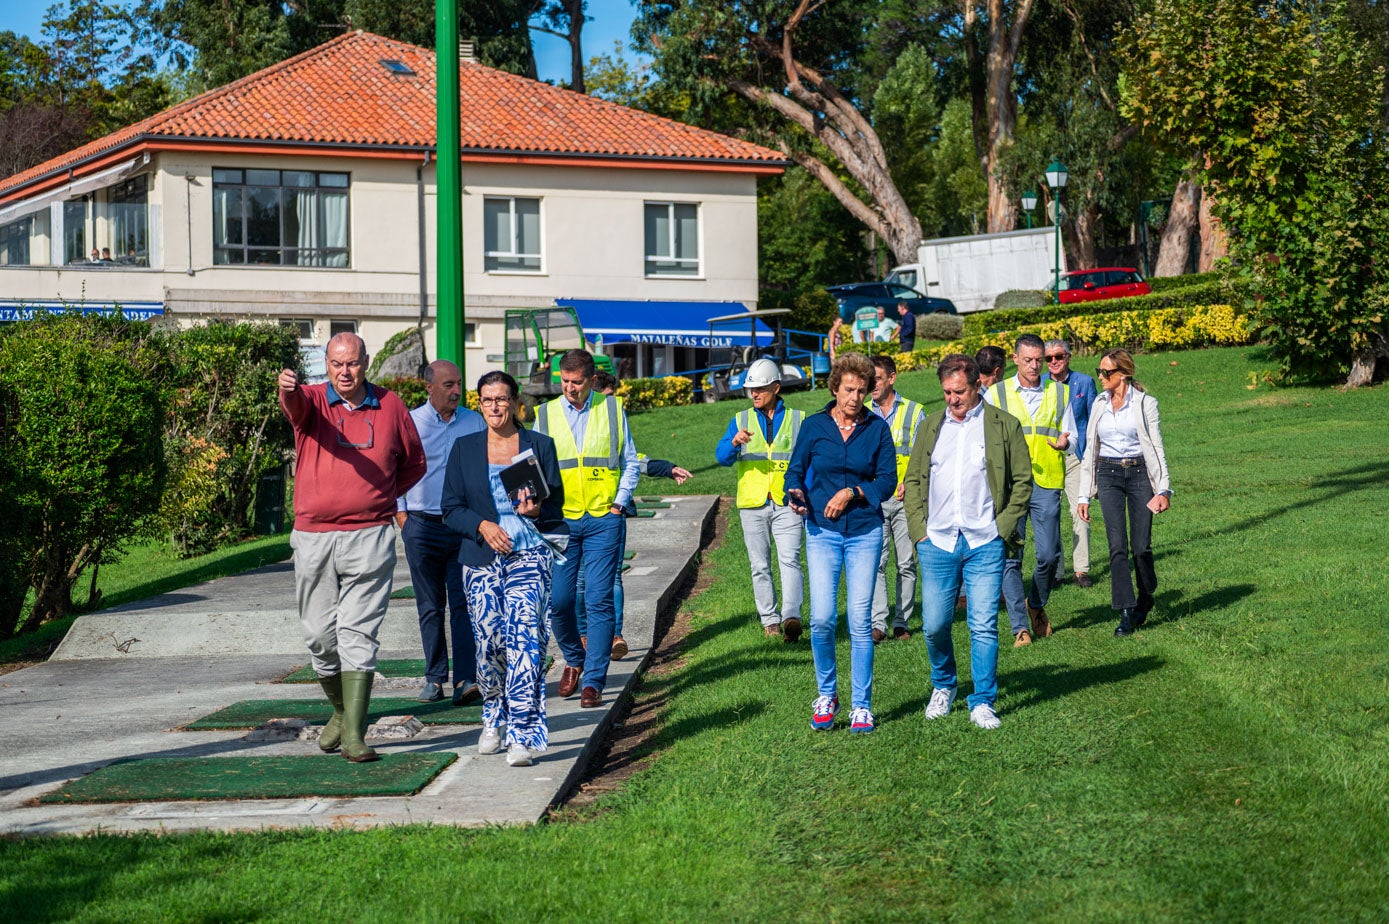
(126, 679)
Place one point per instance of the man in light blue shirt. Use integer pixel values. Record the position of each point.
(431, 548)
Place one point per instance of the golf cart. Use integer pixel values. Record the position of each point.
(735, 343)
(536, 338)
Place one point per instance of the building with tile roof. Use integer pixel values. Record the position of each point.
(305, 193)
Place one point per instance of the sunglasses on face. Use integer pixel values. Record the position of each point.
(1106, 373)
(1056, 357)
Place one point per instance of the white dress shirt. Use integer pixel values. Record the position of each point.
(960, 500)
(1117, 428)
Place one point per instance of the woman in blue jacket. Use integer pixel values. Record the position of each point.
(843, 467)
(507, 556)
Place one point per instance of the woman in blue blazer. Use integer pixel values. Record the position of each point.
(507, 556)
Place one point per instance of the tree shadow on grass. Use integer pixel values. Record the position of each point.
(1032, 686)
(1337, 484)
(1169, 606)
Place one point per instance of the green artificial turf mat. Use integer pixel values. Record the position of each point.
(404, 593)
(250, 713)
(645, 513)
(253, 778)
(653, 505)
(400, 667)
(628, 556)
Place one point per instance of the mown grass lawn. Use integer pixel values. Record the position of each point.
(1229, 762)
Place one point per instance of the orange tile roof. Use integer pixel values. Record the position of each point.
(340, 94)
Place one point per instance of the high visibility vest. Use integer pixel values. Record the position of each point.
(590, 478)
(906, 417)
(1048, 465)
(761, 468)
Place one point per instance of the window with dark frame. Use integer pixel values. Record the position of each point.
(280, 218)
(14, 242)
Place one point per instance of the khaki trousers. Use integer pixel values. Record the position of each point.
(342, 580)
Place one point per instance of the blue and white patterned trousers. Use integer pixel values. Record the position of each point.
(509, 601)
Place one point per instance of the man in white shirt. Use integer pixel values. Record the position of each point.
(1043, 409)
(966, 490)
(431, 548)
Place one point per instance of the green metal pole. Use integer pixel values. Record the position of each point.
(448, 259)
(1056, 221)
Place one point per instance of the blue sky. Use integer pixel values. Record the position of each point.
(609, 21)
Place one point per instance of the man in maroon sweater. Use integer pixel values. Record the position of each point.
(356, 451)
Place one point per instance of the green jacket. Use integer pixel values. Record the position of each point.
(1009, 473)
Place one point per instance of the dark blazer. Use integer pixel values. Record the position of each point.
(467, 498)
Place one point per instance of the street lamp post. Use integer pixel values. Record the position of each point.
(1056, 179)
(1029, 202)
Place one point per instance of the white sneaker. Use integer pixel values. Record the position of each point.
(984, 716)
(941, 701)
(518, 756)
(490, 742)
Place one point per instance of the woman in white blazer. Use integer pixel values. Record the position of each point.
(1125, 465)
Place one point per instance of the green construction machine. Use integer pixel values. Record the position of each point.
(536, 338)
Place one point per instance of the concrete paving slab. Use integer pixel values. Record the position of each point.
(205, 647)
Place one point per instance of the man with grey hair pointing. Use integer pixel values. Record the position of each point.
(356, 451)
(431, 548)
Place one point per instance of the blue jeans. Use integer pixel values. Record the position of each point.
(827, 554)
(981, 572)
(581, 611)
(1045, 512)
(432, 551)
(595, 547)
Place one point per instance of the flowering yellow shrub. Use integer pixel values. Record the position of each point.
(644, 394)
(1184, 328)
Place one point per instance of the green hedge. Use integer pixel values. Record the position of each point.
(1021, 298)
(1206, 292)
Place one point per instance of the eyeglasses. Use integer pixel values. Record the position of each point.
(1106, 373)
(348, 444)
(494, 402)
(1057, 357)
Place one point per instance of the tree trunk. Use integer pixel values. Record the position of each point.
(1079, 235)
(1002, 104)
(1215, 244)
(1363, 365)
(1182, 220)
(575, 9)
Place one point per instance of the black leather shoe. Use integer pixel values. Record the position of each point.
(1125, 627)
(1083, 580)
(1140, 613)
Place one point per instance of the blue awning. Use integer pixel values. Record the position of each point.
(25, 309)
(683, 324)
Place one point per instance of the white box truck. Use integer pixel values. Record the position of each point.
(972, 271)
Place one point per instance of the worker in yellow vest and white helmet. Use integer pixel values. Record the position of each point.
(902, 417)
(758, 444)
(1044, 410)
(599, 466)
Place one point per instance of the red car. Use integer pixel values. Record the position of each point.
(1097, 284)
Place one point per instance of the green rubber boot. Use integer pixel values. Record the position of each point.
(332, 732)
(356, 698)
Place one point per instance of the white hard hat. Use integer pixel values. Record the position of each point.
(762, 373)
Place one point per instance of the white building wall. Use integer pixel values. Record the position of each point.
(592, 232)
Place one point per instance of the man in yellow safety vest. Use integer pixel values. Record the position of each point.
(902, 417)
(758, 443)
(1044, 410)
(599, 467)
